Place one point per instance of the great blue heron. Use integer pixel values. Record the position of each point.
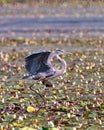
(39, 66)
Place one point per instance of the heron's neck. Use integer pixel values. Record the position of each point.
(59, 71)
(63, 69)
(50, 58)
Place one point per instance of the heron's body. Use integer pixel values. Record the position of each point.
(39, 65)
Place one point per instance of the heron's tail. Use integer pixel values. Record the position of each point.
(31, 77)
(26, 76)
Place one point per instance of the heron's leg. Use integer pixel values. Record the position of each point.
(47, 83)
(41, 96)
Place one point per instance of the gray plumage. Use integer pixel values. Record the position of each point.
(36, 62)
(39, 65)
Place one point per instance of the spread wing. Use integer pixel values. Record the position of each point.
(37, 62)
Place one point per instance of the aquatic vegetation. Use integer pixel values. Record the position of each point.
(77, 101)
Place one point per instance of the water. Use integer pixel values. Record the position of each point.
(51, 22)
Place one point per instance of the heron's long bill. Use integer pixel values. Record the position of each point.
(67, 52)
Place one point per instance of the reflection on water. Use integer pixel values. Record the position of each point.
(52, 22)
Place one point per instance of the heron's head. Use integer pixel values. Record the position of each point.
(59, 52)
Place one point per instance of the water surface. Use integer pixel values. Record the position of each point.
(51, 22)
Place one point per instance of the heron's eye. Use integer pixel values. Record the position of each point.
(59, 51)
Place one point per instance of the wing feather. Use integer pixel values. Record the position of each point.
(37, 62)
